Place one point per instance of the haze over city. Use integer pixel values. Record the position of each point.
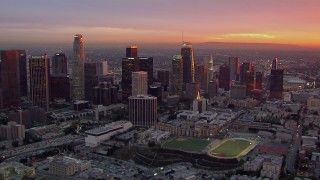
(115, 22)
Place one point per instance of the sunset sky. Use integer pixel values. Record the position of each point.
(160, 21)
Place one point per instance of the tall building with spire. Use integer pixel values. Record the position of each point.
(199, 103)
(188, 62)
(78, 68)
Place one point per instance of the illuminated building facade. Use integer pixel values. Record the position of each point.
(132, 52)
(39, 80)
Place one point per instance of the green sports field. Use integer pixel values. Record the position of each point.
(186, 144)
(231, 148)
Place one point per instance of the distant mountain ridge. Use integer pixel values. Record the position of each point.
(233, 45)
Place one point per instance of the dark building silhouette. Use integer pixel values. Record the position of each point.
(176, 76)
(130, 65)
(224, 77)
(238, 91)
(132, 51)
(201, 76)
(39, 80)
(59, 64)
(244, 68)
(259, 80)
(94, 73)
(60, 87)
(23, 73)
(212, 88)
(275, 64)
(90, 80)
(191, 90)
(146, 64)
(163, 77)
(28, 117)
(9, 79)
(276, 84)
(234, 65)
(156, 91)
(105, 93)
(188, 62)
(247, 76)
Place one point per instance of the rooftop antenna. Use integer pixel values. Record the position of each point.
(182, 38)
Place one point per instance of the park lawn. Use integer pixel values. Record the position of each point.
(186, 144)
(231, 148)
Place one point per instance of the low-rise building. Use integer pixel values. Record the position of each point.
(187, 114)
(67, 166)
(95, 136)
(12, 131)
(62, 168)
(9, 169)
(268, 165)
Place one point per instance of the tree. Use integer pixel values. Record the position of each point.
(151, 143)
(15, 143)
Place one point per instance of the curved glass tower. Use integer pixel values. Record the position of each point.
(78, 68)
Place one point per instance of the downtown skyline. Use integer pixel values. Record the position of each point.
(141, 21)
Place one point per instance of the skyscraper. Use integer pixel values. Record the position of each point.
(143, 110)
(90, 79)
(59, 87)
(201, 76)
(59, 64)
(188, 62)
(9, 78)
(23, 73)
(276, 84)
(247, 76)
(139, 83)
(208, 62)
(234, 65)
(244, 68)
(176, 75)
(59, 79)
(39, 80)
(259, 80)
(129, 65)
(163, 77)
(93, 73)
(224, 77)
(78, 68)
(275, 63)
(146, 64)
(132, 51)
